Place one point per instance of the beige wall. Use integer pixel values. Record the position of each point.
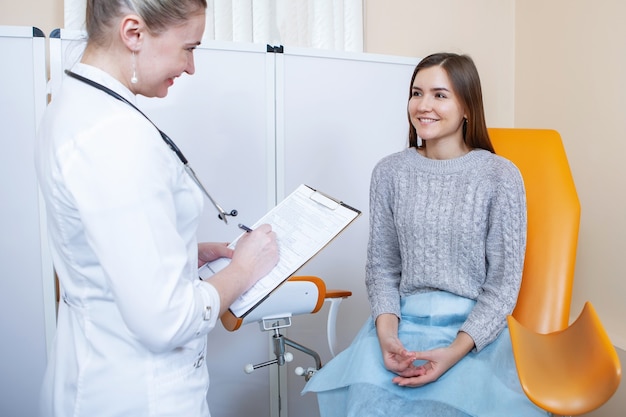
(484, 29)
(571, 76)
(46, 15)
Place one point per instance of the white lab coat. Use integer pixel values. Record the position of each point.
(122, 218)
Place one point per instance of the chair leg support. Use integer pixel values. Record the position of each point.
(282, 357)
(279, 352)
(279, 347)
(312, 353)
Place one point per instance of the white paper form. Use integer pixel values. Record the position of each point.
(304, 222)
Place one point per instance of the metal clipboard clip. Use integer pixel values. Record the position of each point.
(324, 200)
(328, 201)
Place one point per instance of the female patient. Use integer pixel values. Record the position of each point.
(444, 266)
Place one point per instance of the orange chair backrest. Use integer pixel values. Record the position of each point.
(553, 220)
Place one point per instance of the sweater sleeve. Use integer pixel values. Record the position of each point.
(383, 267)
(505, 249)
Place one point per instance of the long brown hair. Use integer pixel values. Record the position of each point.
(466, 84)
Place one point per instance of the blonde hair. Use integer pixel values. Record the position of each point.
(158, 15)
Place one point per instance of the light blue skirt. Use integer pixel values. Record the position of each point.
(484, 384)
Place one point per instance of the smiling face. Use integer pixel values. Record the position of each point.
(434, 108)
(165, 56)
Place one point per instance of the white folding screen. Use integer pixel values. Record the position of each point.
(27, 304)
(222, 119)
(337, 115)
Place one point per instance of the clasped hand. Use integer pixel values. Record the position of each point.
(436, 362)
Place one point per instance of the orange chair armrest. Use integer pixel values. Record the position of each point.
(338, 293)
(568, 372)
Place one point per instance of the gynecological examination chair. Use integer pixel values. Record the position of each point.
(566, 369)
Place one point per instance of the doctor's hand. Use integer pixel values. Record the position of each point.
(256, 253)
(210, 251)
(438, 361)
(254, 256)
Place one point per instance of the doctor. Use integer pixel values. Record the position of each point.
(123, 212)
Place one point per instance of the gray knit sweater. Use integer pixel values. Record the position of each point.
(456, 225)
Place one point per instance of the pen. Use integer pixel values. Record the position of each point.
(244, 227)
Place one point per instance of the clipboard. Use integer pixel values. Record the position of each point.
(305, 222)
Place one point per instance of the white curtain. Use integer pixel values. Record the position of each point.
(324, 24)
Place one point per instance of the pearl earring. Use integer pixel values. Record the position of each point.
(134, 79)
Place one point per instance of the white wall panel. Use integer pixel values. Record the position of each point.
(26, 285)
(337, 115)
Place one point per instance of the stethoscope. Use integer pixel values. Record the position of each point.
(222, 214)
